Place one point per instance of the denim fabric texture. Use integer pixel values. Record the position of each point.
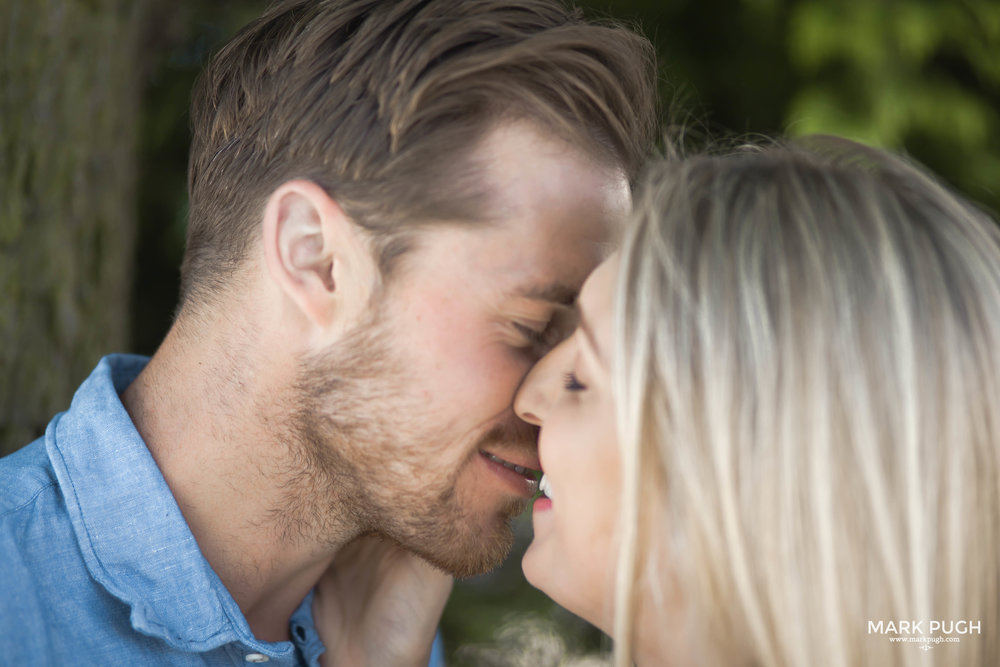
(97, 564)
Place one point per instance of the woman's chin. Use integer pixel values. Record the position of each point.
(549, 574)
(530, 567)
(541, 571)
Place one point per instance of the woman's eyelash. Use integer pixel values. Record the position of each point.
(572, 383)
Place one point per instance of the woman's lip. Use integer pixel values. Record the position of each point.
(542, 504)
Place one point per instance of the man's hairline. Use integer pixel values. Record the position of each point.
(593, 153)
(604, 160)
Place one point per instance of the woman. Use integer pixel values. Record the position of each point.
(775, 434)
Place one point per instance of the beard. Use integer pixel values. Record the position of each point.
(369, 457)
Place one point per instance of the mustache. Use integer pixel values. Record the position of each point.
(512, 431)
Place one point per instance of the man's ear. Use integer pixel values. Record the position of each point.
(314, 253)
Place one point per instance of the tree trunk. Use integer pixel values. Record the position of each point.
(69, 101)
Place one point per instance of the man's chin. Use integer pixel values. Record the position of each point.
(476, 561)
(478, 552)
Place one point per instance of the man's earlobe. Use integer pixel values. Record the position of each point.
(303, 244)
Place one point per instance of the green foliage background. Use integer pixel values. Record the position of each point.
(921, 76)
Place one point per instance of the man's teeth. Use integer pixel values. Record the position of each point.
(521, 470)
(544, 487)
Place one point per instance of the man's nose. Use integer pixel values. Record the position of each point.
(529, 401)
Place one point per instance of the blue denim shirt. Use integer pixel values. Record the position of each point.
(97, 564)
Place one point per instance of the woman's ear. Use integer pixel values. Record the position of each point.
(315, 254)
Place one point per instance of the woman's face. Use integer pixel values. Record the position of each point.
(572, 556)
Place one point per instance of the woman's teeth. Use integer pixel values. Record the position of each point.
(544, 487)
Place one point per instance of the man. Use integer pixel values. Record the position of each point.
(391, 204)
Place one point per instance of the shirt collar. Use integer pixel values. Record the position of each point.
(130, 530)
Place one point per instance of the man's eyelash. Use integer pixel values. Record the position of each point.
(572, 383)
(533, 336)
(539, 342)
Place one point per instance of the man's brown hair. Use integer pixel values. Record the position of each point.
(382, 102)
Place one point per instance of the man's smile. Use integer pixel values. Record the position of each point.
(520, 476)
(528, 472)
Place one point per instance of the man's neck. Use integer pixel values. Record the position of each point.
(208, 433)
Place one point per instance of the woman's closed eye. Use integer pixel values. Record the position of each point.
(572, 383)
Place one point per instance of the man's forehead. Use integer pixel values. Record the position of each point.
(521, 162)
(562, 283)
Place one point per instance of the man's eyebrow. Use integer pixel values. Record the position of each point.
(554, 293)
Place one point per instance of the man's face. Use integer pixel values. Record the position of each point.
(409, 421)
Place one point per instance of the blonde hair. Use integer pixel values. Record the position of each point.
(808, 383)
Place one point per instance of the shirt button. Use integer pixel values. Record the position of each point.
(256, 657)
